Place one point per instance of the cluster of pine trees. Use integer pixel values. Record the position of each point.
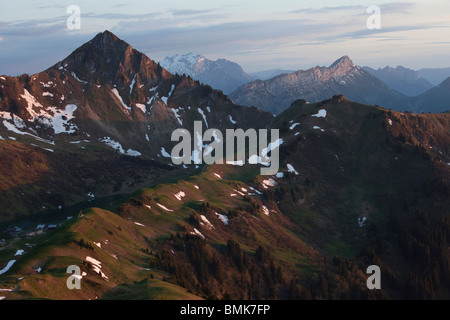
(226, 272)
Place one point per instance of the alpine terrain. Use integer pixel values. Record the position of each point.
(87, 181)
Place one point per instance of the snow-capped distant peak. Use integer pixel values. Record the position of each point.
(181, 64)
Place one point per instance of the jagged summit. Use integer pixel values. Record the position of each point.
(344, 62)
(107, 58)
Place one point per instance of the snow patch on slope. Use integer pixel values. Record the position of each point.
(117, 146)
(321, 114)
(164, 207)
(204, 116)
(78, 79)
(127, 109)
(175, 112)
(291, 169)
(180, 195)
(205, 220)
(8, 266)
(96, 266)
(142, 107)
(222, 218)
(294, 125)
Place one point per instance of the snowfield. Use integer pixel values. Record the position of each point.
(96, 266)
(51, 117)
(164, 153)
(166, 99)
(142, 107)
(8, 266)
(222, 218)
(163, 207)
(269, 183)
(78, 79)
(13, 128)
(117, 146)
(208, 224)
(238, 163)
(318, 128)
(180, 195)
(291, 169)
(133, 82)
(362, 221)
(293, 126)
(272, 146)
(204, 117)
(61, 118)
(127, 109)
(258, 192)
(19, 253)
(198, 233)
(321, 114)
(175, 112)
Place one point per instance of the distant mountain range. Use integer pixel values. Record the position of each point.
(316, 84)
(220, 74)
(435, 76)
(406, 81)
(274, 90)
(434, 100)
(365, 85)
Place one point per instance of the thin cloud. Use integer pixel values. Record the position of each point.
(366, 33)
(33, 28)
(387, 8)
(188, 12)
(54, 6)
(398, 7)
(328, 9)
(120, 16)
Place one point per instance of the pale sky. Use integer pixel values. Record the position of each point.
(259, 35)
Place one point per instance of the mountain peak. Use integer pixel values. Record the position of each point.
(107, 43)
(107, 58)
(344, 62)
(106, 35)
